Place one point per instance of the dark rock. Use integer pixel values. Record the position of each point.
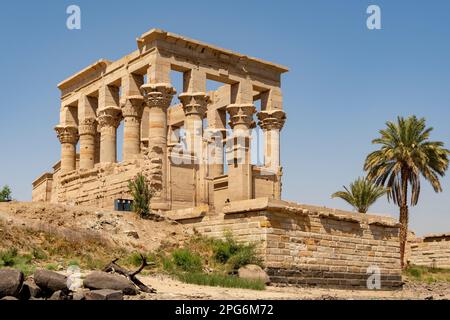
(10, 282)
(102, 280)
(50, 281)
(104, 294)
(30, 290)
(9, 298)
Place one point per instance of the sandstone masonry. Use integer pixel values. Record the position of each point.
(196, 155)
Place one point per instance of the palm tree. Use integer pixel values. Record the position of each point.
(361, 194)
(405, 155)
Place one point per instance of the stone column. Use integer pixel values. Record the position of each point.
(132, 110)
(240, 186)
(68, 136)
(88, 131)
(272, 122)
(108, 121)
(194, 107)
(158, 97)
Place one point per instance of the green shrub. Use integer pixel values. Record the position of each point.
(235, 254)
(245, 255)
(73, 263)
(224, 249)
(142, 195)
(414, 272)
(8, 257)
(167, 264)
(134, 259)
(51, 266)
(5, 194)
(186, 260)
(220, 280)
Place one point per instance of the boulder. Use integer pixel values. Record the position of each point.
(10, 282)
(30, 290)
(253, 272)
(104, 294)
(9, 298)
(50, 281)
(101, 280)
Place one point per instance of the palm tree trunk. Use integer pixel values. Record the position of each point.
(404, 216)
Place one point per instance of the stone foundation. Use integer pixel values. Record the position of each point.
(430, 251)
(306, 245)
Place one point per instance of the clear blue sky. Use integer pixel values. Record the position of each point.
(344, 81)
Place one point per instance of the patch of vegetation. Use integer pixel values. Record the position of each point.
(212, 262)
(5, 194)
(220, 280)
(186, 260)
(13, 259)
(427, 274)
(140, 191)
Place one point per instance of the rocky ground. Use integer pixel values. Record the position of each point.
(119, 229)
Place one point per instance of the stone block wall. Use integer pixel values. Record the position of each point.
(430, 251)
(305, 245)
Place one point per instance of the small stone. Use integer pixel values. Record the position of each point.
(253, 272)
(104, 294)
(132, 234)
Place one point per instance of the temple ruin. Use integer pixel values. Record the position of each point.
(197, 156)
(212, 168)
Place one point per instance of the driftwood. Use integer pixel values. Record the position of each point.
(114, 267)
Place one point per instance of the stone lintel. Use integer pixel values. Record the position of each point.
(161, 35)
(44, 177)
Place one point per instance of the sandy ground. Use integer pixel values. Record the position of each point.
(168, 289)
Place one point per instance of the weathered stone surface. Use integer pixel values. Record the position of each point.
(253, 272)
(104, 294)
(50, 281)
(10, 282)
(30, 290)
(59, 295)
(102, 280)
(79, 294)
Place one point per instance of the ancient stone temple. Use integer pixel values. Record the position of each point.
(213, 164)
(196, 148)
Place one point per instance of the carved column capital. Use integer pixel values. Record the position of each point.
(241, 114)
(158, 95)
(109, 117)
(67, 134)
(271, 119)
(88, 126)
(194, 103)
(132, 106)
